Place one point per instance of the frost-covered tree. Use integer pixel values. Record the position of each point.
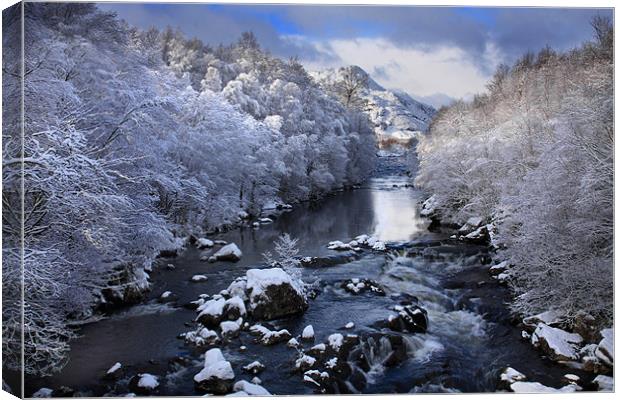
(286, 252)
(133, 139)
(534, 156)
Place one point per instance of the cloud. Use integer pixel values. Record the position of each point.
(446, 69)
(427, 51)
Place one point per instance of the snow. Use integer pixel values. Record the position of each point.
(319, 347)
(258, 280)
(165, 295)
(428, 207)
(331, 363)
(256, 380)
(310, 380)
(114, 368)
(562, 344)
(230, 252)
(308, 333)
(204, 243)
(547, 317)
(605, 383)
(254, 367)
(237, 303)
(499, 268)
(531, 387)
(378, 246)
(199, 278)
(605, 349)
(148, 381)
(511, 375)
(250, 389)
(265, 220)
(304, 361)
(231, 328)
(572, 377)
(349, 325)
(292, 343)
(215, 366)
(43, 392)
(335, 341)
(213, 307)
(269, 337)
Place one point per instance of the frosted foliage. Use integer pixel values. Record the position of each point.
(133, 137)
(286, 252)
(535, 155)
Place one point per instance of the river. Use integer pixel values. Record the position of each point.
(470, 336)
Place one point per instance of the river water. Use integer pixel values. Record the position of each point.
(470, 336)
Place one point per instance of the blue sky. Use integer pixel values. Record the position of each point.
(434, 53)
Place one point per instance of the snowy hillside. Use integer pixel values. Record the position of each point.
(396, 116)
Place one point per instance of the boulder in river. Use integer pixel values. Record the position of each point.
(358, 286)
(143, 384)
(114, 372)
(217, 375)
(559, 345)
(274, 294)
(230, 252)
(410, 318)
(204, 243)
(269, 337)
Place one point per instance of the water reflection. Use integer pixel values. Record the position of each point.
(396, 214)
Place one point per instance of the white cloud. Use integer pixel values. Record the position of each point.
(442, 70)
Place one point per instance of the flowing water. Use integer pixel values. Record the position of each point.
(470, 336)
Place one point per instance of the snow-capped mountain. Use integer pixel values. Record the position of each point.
(394, 113)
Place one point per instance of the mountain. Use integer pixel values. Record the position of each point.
(395, 115)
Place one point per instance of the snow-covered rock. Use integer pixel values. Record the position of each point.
(166, 296)
(308, 333)
(349, 325)
(42, 393)
(559, 345)
(410, 318)
(114, 371)
(255, 367)
(231, 329)
(234, 308)
(429, 206)
(604, 383)
(511, 375)
(256, 380)
(217, 375)
(204, 243)
(472, 224)
(229, 252)
(536, 387)
(498, 268)
(238, 288)
(274, 294)
(335, 341)
(199, 278)
(293, 343)
(250, 389)
(551, 318)
(304, 362)
(605, 349)
(211, 312)
(143, 384)
(202, 337)
(269, 337)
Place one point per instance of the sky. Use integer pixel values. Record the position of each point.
(436, 54)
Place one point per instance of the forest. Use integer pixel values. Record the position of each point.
(534, 157)
(133, 139)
